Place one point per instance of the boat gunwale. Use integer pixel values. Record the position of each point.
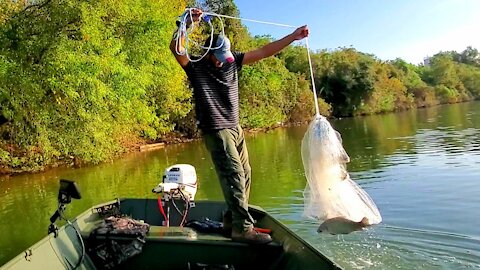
(80, 223)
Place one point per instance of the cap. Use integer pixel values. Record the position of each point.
(223, 54)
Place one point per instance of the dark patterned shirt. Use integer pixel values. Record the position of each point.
(215, 91)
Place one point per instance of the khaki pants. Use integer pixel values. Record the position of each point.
(230, 156)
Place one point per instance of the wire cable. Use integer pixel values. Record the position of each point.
(187, 207)
(250, 20)
(184, 30)
(82, 257)
(160, 207)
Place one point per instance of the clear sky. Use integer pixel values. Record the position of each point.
(389, 29)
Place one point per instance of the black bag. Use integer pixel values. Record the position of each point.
(206, 225)
(116, 240)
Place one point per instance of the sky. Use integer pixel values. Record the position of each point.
(408, 29)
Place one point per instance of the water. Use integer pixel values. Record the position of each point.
(422, 168)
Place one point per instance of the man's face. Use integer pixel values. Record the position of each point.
(214, 61)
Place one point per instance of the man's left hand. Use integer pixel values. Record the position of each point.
(300, 33)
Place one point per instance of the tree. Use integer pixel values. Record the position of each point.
(389, 92)
(442, 74)
(296, 60)
(470, 56)
(86, 79)
(235, 31)
(347, 78)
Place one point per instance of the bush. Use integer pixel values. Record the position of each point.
(268, 93)
(425, 96)
(446, 95)
(83, 78)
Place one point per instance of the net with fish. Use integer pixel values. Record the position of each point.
(330, 192)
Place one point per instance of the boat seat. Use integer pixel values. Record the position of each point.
(183, 235)
(189, 235)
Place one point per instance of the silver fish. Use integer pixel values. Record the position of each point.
(341, 225)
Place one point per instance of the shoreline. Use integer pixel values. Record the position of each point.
(171, 138)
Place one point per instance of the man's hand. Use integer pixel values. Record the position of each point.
(196, 15)
(300, 33)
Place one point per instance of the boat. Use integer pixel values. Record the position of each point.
(169, 243)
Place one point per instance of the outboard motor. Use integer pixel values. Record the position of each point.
(179, 182)
(177, 179)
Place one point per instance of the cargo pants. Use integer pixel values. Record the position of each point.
(229, 154)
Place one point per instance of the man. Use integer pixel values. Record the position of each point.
(215, 88)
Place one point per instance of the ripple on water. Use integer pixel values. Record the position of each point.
(388, 247)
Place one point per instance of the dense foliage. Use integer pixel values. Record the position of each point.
(354, 83)
(82, 81)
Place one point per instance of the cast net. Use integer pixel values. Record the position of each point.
(330, 192)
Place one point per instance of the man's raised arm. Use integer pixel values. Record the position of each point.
(274, 47)
(174, 47)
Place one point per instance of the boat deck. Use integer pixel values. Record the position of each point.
(173, 247)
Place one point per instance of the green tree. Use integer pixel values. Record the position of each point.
(234, 29)
(389, 93)
(470, 56)
(266, 89)
(443, 75)
(409, 75)
(85, 79)
(296, 59)
(470, 77)
(347, 78)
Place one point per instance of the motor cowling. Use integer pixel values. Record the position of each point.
(178, 179)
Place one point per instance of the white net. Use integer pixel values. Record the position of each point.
(330, 192)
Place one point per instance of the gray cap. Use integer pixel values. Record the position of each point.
(223, 54)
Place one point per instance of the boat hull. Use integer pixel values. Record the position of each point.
(175, 247)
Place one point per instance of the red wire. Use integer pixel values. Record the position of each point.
(160, 206)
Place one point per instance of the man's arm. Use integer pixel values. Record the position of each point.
(274, 47)
(182, 59)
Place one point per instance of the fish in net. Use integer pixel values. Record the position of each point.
(330, 194)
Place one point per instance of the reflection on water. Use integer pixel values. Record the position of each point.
(420, 167)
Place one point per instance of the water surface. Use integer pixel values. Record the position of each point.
(421, 167)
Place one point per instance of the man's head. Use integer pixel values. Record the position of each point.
(220, 51)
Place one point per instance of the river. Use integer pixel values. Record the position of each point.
(421, 167)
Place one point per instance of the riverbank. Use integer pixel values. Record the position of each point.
(139, 145)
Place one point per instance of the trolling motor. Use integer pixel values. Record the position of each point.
(68, 190)
(179, 182)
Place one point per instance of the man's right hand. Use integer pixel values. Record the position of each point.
(196, 15)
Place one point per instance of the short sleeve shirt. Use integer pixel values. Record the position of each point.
(215, 92)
